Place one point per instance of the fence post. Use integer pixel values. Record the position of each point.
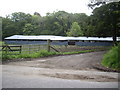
(29, 48)
(48, 45)
(20, 49)
(6, 51)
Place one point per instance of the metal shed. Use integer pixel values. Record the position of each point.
(60, 40)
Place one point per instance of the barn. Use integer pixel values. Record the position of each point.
(59, 40)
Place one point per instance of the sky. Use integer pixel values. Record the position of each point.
(43, 6)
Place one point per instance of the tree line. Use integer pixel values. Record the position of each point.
(104, 22)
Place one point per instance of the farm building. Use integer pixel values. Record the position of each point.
(59, 40)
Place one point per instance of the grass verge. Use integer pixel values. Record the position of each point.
(42, 53)
(112, 58)
(78, 52)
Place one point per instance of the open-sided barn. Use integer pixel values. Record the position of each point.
(60, 40)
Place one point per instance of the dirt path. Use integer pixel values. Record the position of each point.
(76, 62)
(76, 67)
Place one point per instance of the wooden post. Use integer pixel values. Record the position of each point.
(6, 50)
(20, 49)
(29, 48)
(48, 45)
(39, 47)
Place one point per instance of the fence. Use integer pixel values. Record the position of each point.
(55, 46)
(11, 49)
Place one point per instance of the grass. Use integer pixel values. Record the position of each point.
(78, 52)
(112, 58)
(42, 53)
(1, 43)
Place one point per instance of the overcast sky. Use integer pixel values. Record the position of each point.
(43, 6)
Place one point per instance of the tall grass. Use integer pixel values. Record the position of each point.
(112, 58)
(42, 53)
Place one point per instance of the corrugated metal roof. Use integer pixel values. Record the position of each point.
(52, 37)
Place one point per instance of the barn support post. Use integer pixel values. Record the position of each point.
(48, 45)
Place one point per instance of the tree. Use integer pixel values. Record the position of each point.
(8, 28)
(20, 16)
(106, 18)
(0, 28)
(75, 30)
(56, 23)
(93, 3)
(36, 13)
(30, 29)
(20, 19)
(36, 19)
(82, 20)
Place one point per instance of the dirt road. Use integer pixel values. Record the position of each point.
(75, 62)
(77, 68)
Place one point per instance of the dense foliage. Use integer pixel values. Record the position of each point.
(56, 23)
(111, 59)
(73, 31)
(105, 21)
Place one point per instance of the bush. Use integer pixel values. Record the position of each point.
(112, 58)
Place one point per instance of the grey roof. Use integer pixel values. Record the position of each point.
(52, 37)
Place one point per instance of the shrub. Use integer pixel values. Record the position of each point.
(112, 58)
